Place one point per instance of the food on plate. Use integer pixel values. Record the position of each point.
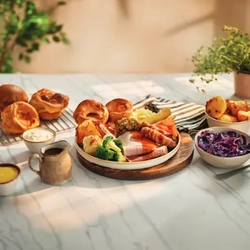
(140, 145)
(156, 117)
(224, 144)
(119, 108)
(19, 117)
(141, 114)
(91, 143)
(227, 110)
(119, 133)
(111, 149)
(125, 124)
(168, 125)
(151, 141)
(153, 154)
(10, 93)
(134, 144)
(158, 135)
(86, 128)
(49, 104)
(91, 110)
(216, 107)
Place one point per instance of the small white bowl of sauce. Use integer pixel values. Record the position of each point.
(36, 138)
(9, 174)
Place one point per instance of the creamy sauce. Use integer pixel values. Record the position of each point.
(38, 135)
(8, 174)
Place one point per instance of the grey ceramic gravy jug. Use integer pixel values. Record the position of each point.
(55, 165)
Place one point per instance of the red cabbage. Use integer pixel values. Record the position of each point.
(225, 144)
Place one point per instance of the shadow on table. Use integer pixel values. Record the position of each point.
(233, 184)
(168, 215)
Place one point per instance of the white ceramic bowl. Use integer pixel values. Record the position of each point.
(7, 188)
(36, 138)
(222, 162)
(241, 126)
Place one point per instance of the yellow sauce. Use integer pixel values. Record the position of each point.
(8, 174)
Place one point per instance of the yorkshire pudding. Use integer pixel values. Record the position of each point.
(19, 117)
(119, 108)
(49, 104)
(10, 93)
(91, 109)
(86, 128)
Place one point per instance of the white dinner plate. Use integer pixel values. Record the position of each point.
(128, 165)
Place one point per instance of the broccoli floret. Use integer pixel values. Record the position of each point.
(118, 143)
(111, 149)
(104, 153)
(118, 156)
(109, 143)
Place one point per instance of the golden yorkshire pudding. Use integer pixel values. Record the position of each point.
(10, 93)
(119, 108)
(91, 109)
(49, 104)
(86, 128)
(19, 117)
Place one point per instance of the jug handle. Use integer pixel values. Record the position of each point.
(31, 159)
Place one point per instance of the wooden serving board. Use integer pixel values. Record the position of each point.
(179, 161)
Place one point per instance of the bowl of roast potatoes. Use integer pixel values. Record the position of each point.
(221, 112)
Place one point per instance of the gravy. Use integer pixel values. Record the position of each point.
(139, 137)
(53, 151)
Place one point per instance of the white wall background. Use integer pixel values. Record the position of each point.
(135, 36)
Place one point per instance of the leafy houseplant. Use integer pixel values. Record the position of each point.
(227, 54)
(27, 27)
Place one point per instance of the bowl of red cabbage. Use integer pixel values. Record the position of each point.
(223, 147)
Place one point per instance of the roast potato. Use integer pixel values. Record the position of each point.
(216, 107)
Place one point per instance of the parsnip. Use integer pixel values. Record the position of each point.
(156, 117)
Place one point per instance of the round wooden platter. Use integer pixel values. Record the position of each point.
(179, 161)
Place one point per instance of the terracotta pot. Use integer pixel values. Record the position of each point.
(242, 85)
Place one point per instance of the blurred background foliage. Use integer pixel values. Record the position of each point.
(26, 26)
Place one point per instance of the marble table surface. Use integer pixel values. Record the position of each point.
(189, 210)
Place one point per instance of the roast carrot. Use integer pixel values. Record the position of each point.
(168, 125)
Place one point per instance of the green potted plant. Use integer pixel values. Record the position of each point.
(26, 27)
(227, 54)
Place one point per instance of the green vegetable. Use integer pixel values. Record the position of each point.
(110, 143)
(119, 157)
(111, 149)
(227, 54)
(104, 153)
(118, 143)
(25, 27)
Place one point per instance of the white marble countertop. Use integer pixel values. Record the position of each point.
(189, 210)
